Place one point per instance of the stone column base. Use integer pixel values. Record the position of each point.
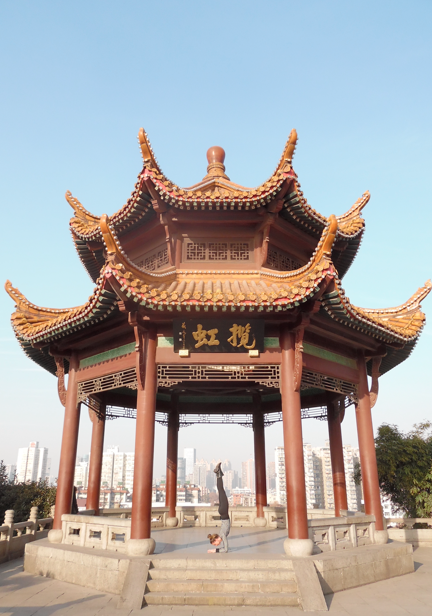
(261, 522)
(381, 537)
(140, 547)
(171, 522)
(298, 548)
(55, 535)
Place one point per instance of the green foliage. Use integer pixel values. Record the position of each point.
(405, 468)
(21, 497)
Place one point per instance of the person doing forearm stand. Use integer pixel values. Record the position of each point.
(220, 541)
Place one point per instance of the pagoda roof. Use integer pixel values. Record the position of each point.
(398, 327)
(33, 324)
(215, 192)
(262, 290)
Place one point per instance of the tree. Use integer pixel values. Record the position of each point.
(21, 497)
(405, 468)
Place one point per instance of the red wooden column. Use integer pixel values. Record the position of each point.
(368, 455)
(96, 455)
(68, 453)
(171, 469)
(298, 543)
(260, 468)
(337, 458)
(144, 449)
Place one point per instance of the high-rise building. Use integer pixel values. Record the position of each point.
(313, 477)
(32, 463)
(271, 476)
(10, 472)
(200, 475)
(280, 476)
(313, 480)
(189, 455)
(231, 480)
(81, 475)
(181, 471)
(351, 459)
(129, 471)
(248, 475)
(117, 469)
(324, 476)
(327, 498)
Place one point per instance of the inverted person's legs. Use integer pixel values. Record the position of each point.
(223, 501)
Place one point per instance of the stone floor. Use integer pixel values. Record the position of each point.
(22, 594)
(242, 541)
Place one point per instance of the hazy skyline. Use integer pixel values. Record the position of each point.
(78, 81)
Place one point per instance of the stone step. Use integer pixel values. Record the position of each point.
(223, 562)
(215, 598)
(220, 586)
(271, 575)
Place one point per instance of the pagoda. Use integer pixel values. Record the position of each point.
(221, 304)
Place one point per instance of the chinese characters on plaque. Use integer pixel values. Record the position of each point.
(218, 335)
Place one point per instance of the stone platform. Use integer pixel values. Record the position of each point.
(254, 573)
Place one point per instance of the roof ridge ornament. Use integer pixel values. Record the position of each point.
(216, 167)
(412, 303)
(79, 209)
(288, 153)
(147, 153)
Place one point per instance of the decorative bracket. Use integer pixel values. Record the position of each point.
(298, 358)
(270, 216)
(169, 226)
(373, 394)
(96, 410)
(141, 344)
(60, 374)
(340, 409)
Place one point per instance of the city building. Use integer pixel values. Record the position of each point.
(280, 476)
(31, 463)
(231, 480)
(181, 471)
(81, 475)
(313, 477)
(117, 469)
(10, 472)
(271, 475)
(319, 477)
(242, 497)
(248, 475)
(354, 493)
(189, 455)
(200, 475)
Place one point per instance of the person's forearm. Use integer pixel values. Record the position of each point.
(223, 548)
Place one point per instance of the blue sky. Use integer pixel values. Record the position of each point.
(77, 82)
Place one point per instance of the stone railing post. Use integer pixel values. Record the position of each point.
(332, 538)
(353, 535)
(34, 512)
(9, 521)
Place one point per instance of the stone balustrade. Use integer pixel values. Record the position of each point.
(15, 535)
(408, 522)
(402, 529)
(342, 533)
(189, 516)
(111, 529)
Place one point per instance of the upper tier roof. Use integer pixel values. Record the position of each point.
(215, 192)
(263, 290)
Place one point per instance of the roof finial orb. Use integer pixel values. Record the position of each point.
(216, 167)
(215, 154)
